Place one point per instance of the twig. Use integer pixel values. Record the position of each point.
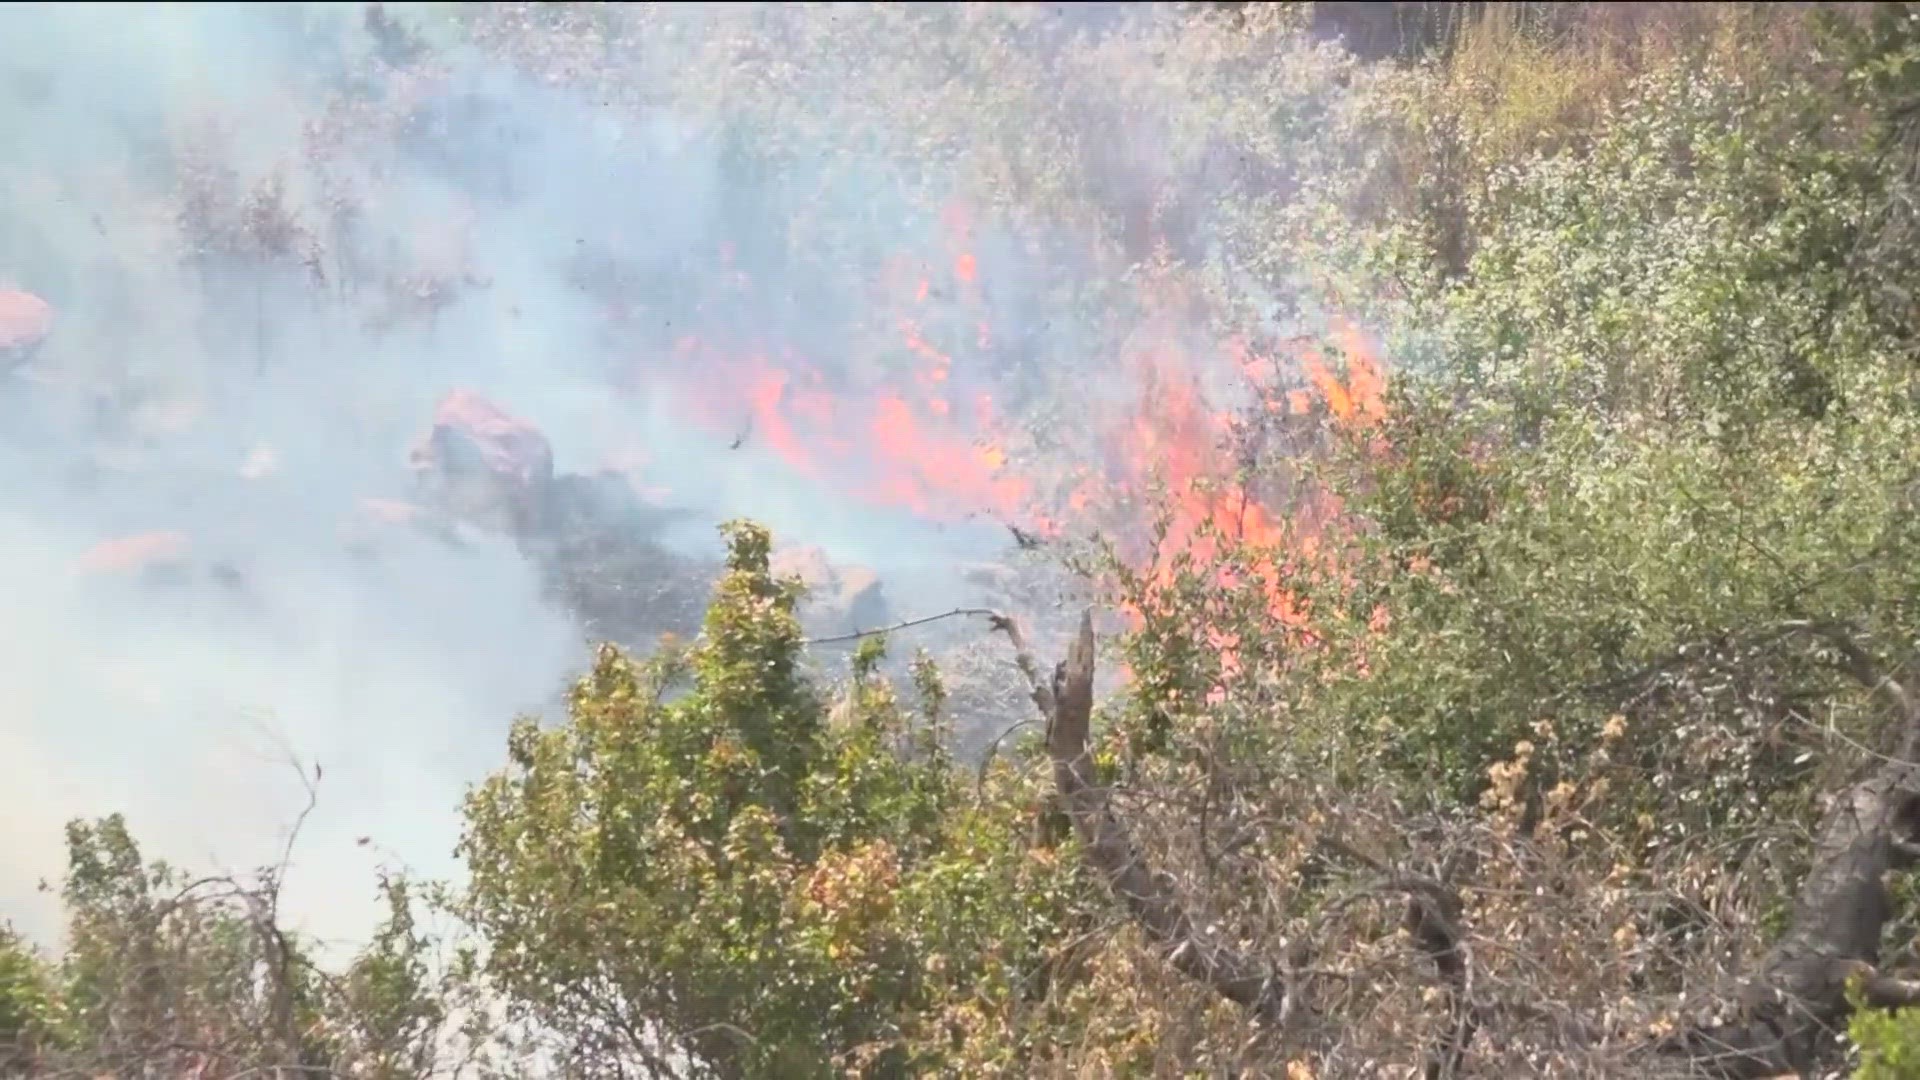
(993, 750)
(923, 620)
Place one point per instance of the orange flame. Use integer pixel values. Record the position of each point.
(923, 436)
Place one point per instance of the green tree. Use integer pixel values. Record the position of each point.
(698, 867)
(165, 974)
(27, 1001)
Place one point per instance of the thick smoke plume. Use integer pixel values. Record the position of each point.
(275, 239)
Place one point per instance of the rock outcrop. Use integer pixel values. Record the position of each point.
(142, 553)
(163, 558)
(486, 467)
(595, 540)
(25, 322)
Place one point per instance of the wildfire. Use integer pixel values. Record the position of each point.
(926, 435)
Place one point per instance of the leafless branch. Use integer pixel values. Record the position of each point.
(1067, 704)
(903, 625)
(1784, 1018)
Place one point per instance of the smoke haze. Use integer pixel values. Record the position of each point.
(275, 237)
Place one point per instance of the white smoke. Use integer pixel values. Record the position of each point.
(251, 400)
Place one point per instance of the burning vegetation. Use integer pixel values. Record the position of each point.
(1248, 547)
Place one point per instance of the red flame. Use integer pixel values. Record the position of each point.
(924, 437)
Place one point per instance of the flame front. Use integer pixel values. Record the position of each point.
(922, 431)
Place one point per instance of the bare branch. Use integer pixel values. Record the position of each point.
(1801, 995)
(1067, 705)
(903, 625)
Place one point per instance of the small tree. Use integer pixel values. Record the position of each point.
(167, 975)
(698, 873)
